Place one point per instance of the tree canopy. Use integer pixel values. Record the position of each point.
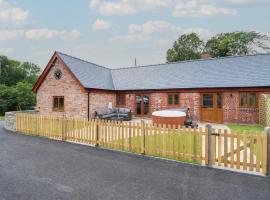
(190, 46)
(16, 82)
(236, 43)
(187, 47)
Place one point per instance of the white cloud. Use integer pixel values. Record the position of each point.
(46, 34)
(161, 33)
(239, 1)
(11, 16)
(194, 8)
(6, 35)
(128, 7)
(94, 3)
(100, 24)
(6, 50)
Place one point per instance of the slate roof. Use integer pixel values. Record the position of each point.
(237, 71)
(89, 74)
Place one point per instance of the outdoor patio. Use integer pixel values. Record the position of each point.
(202, 125)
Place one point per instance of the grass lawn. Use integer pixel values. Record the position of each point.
(250, 128)
(2, 118)
(177, 147)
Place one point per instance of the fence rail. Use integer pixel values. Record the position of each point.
(238, 150)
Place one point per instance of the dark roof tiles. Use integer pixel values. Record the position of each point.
(238, 71)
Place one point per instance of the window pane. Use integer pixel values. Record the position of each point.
(121, 99)
(252, 99)
(176, 99)
(219, 100)
(146, 105)
(61, 103)
(139, 104)
(170, 99)
(208, 101)
(243, 99)
(55, 103)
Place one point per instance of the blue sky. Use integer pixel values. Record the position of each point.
(115, 32)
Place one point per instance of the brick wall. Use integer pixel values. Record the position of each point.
(191, 101)
(159, 101)
(130, 102)
(67, 86)
(99, 100)
(234, 114)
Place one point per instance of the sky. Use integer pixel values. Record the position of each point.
(113, 33)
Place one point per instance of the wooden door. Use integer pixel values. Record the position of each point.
(142, 105)
(211, 107)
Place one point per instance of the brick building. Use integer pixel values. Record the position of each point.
(216, 90)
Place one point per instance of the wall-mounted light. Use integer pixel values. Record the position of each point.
(231, 95)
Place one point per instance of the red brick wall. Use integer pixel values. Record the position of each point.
(67, 86)
(234, 114)
(191, 101)
(99, 100)
(130, 102)
(159, 101)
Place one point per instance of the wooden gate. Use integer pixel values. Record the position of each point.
(244, 151)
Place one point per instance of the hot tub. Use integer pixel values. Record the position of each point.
(169, 117)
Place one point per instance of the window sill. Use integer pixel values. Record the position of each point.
(249, 109)
(121, 105)
(60, 111)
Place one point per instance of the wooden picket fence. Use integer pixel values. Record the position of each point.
(242, 150)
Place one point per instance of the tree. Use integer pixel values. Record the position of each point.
(32, 72)
(16, 83)
(236, 43)
(25, 98)
(187, 47)
(13, 72)
(7, 99)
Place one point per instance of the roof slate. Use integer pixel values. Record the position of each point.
(238, 71)
(89, 74)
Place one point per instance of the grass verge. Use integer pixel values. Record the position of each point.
(242, 128)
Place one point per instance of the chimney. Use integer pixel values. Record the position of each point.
(205, 55)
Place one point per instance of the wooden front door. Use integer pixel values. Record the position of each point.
(211, 107)
(142, 105)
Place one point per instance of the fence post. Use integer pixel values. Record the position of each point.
(210, 162)
(129, 137)
(268, 152)
(143, 138)
(64, 134)
(97, 134)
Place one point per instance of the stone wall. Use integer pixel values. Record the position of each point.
(10, 121)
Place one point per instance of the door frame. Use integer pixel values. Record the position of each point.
(215, 108)
(142, 106)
